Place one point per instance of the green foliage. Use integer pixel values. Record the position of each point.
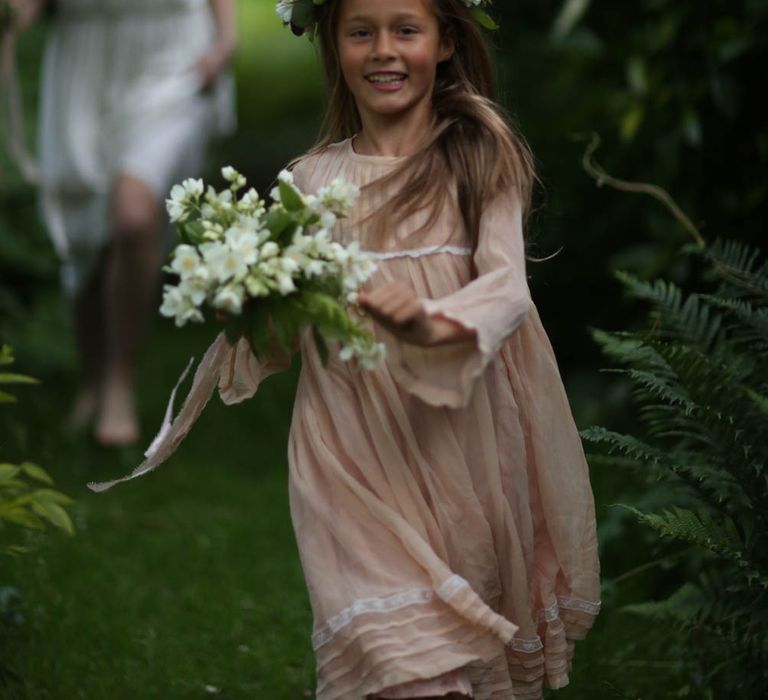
(26, 499)
(6, 358)
(700, 376)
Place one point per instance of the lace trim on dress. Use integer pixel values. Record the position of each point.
(450, 587)
(579, 605)
(553, 613)
(420, 252)
(447, 589)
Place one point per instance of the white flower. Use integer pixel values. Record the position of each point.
(194, 188)
(178, 306)
(314, 268)
(251, 204)
(339, 196)
(183, 197)
(289, 265)
(269, 250)
(367, 354)
(195, 289)
(176, 206)
(244, 243)
(187, 261)
(256, 286)
(284, 10)
(285, 284)
(230, 298)
(231, 175)
(328, 220)
(223, 262)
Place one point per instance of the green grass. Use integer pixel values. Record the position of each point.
(186, 579)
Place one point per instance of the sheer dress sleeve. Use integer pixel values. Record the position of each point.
(494, 305)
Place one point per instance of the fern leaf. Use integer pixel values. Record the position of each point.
(689, 319)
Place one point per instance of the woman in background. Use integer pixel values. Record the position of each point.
(132, 91)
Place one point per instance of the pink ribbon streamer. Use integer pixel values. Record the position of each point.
(173, 431)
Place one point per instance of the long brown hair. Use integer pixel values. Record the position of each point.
(472, 150)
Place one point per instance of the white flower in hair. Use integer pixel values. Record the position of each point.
(301, 15)
(284, 10)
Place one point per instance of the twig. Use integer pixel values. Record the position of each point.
(660, 194)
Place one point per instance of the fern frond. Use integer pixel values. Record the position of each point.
(688, 319)
(722, 540)
(683, 606)
(628, 349)
(746, 324)
(738, 264)
(626, 445)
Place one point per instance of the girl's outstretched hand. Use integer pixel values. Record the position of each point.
(396, 307)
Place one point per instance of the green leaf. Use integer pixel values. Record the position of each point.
(631, 122)
(760, 400)
(192, 232)
(286, 323)
(236, 327)
(8, 471)
(15, 550)
(55, 514)
(7, 378)
(289, 197)
(571, 13)
(258, 332)
(322, 346)
(36, 473)
(279, 222)
(5, 397)
(484, 19)
(21, 516)
(6, 355)
(303, 13)
(51, 496)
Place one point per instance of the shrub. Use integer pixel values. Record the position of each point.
(700, 375)
(26, 497)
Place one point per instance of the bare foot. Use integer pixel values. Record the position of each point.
(117, 425)
(83, 410)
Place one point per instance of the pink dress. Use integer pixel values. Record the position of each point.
(441, 503)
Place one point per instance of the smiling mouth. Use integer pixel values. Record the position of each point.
(386, 78)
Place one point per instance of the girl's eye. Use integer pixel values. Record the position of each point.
(359, 33)
(408, 30)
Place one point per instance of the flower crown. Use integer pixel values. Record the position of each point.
(301, 15)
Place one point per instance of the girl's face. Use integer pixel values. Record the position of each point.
(389, 51)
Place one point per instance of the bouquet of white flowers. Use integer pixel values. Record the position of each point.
(269, 272)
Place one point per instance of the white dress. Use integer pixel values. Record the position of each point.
(120, 95)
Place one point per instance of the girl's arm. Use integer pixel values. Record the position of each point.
(396, 307)
(216, 59)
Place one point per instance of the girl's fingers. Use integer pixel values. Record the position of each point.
(392, 302)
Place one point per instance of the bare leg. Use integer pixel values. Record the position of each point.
(132, 273)
(88, 315)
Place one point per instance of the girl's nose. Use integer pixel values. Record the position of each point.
(383, 47)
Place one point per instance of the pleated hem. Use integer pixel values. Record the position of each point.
(375, 650)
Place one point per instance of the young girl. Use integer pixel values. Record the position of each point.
(441, 503)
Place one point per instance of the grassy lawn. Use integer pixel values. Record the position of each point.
(183, 584)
